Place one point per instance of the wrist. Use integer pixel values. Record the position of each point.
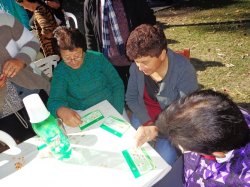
(148, 123)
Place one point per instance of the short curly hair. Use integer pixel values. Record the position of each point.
(146, 40)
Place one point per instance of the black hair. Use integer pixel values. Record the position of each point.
(204, 122)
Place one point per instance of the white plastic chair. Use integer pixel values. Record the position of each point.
(7, 139)
(69, 15)
(45, 65)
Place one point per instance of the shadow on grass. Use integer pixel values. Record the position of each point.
(171, 41)
(225, 27)
(200, 65)
(205, 4)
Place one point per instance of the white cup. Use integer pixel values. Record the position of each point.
(35, 108)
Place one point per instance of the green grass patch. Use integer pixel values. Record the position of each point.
(220, 54)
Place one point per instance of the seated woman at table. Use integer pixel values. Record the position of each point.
(158, 77)
(214, 135)
(82, 79)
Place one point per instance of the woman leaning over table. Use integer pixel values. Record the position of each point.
(82, 79)
(158, 77)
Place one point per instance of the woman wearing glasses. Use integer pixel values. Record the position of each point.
(82, 79)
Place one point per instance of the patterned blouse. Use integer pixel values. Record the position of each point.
(44, 25)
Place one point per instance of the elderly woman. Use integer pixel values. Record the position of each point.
(44, 24)
(82, 79)
(157, 78)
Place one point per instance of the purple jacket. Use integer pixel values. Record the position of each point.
(202, 172)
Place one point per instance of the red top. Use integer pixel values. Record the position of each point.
(152, 106)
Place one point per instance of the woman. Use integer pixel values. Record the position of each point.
(15, 71)
(157, 78)
(214, 135)
(44, 24)
(82, 79)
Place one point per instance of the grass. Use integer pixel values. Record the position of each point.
(219, 40)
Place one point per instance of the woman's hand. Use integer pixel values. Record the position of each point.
(12, 67)
(145, 134)
(69, 117)
(2, 80)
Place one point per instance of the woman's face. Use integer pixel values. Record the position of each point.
(73, 58)
(149, 65)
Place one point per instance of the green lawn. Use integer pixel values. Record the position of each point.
(219, 42)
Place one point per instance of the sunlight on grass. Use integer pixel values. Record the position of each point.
(220, 55)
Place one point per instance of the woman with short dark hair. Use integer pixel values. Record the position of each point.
(158, 77)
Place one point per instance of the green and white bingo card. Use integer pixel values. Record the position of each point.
(115, 125)
(138, 161)
(91, 118)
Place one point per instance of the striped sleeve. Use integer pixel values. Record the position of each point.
(26, 41)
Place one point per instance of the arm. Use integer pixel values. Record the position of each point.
(115, 84)
(91, 40)
(58, 92)
(145, 134)
(187, 82)
(133, 100)
(27, 46)
(57, 103)
(53, 4)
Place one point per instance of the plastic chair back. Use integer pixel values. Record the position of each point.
(7, 139)
(45, 65)
(68, 16)
(184, 52)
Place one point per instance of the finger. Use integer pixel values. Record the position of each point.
(77, 116)
(8, 70)
(13, 73)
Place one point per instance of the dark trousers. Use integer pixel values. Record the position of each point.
(15, 128)
(123, 72)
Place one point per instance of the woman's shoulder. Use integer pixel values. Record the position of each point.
(61, 68)
(94, 56)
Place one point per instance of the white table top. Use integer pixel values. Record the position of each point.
(96, 160)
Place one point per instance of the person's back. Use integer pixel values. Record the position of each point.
(214, 136)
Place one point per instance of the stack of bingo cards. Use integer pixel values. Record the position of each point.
(138, 161)
(115, 126)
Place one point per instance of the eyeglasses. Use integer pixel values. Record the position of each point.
(73, 59)
(75, 55)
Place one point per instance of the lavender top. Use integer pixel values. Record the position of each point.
(199, 171)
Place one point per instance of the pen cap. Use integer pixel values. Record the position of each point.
(35, 108)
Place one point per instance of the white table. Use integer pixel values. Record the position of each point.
(97, 160)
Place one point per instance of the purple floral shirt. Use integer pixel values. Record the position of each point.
(199, 171)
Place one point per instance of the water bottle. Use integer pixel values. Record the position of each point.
(45, 126)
